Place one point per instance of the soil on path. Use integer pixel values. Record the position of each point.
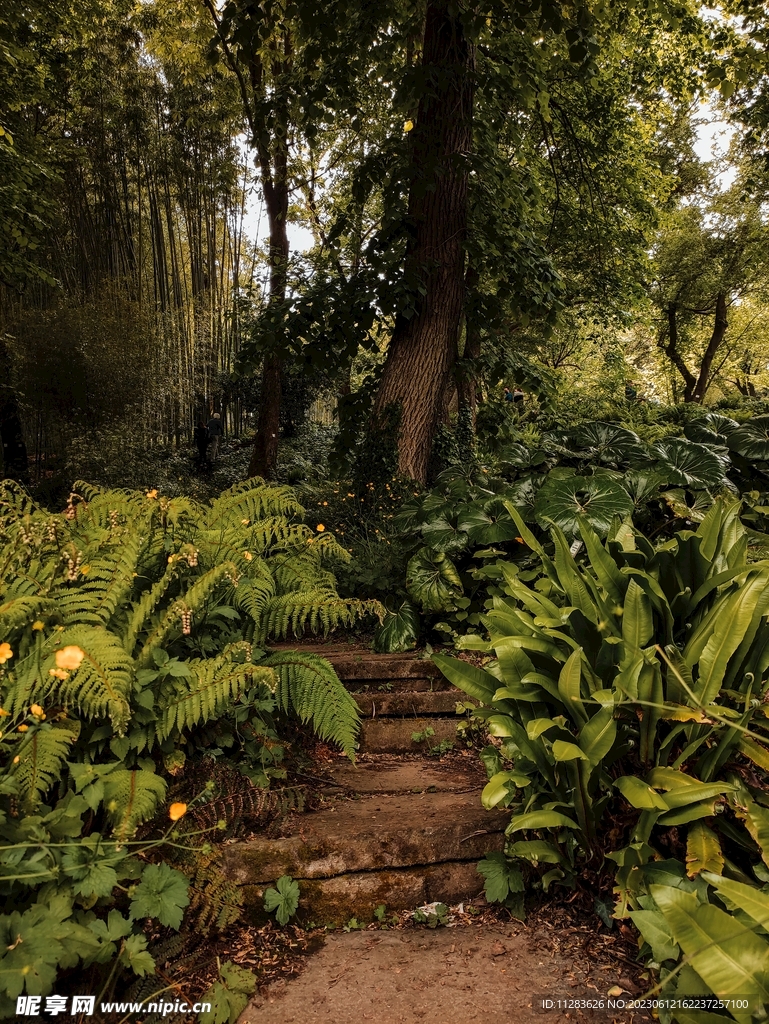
(488, 971)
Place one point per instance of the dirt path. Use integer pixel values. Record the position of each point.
(486, 972)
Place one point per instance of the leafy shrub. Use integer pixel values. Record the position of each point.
(130, 633)
(628, 695)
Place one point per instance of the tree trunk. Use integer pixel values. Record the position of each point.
(264, 458)
(716, 340)
(423, 347)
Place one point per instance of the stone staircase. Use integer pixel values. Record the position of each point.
(399, 828)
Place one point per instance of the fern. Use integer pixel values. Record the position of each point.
(193, 600)
(214, 684)
(318, 611)
(308, 685)
(18, 611)
(107, 583)
(215, 901)
(103, 682)
(253, 500)
(131, 797)
(42, 755)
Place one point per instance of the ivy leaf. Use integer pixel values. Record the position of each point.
(502, 877)
(284, 899)
(162, 894)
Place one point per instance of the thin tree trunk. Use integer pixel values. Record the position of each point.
(423, 347)
(716, 340)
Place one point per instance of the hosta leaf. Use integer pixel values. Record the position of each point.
(474, 681)
(640, 794)
(751, 439)
(432, 581)
(688, 464)
(399, 630)
(501, 786)
(568, 500)
(597, 736)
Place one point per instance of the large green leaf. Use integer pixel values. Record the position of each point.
(540, 819)
(568, 500)
(656, 931)
(751, 439)
(711, 429)
(474, 681)
(598, 735)
(489, 523)
(399, 629)
(607, 443)
(729, 958)
(432, 581)
(688, 464)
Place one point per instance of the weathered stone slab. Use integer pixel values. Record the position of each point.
(405, 777)
(394, 735)
(371, 834)
(414, 703)
(336, 900)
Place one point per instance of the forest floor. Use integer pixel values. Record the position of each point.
(480, 966)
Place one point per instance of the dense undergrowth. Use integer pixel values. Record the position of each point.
(133, 648)
(625, 685)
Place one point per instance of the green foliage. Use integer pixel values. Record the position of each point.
(626, 691)
(283, 899)
(229, 995)
(129, 627)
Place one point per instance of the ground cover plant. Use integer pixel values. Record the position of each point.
(134, 630)
(626, 690)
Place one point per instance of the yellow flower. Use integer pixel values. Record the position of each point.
(176, 811)
(5, 653)
(37, 624)
(58, 673)
(320, 527)
(4, 713)
(248, 556)
(85, 569)
(408, 125)
(325, 503)
(69, 657)
(244, 522)
(36, 710)
(153, 493)
(23, 728)
(16, 759)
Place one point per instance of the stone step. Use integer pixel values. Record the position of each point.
(333, 901)
(395, 735)
(373, 833)
(383, 774)
(403, 703)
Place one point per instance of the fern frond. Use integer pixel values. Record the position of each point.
(320, 611)
(42, 754)
(103, 682)
(146, 605)
(215, 683)
(308, 685)
(107, 584)
(192, 600)
(301, 570)
(20, 611)
(253, 500)
(215, 901)
(254, 591)
(130, 798)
